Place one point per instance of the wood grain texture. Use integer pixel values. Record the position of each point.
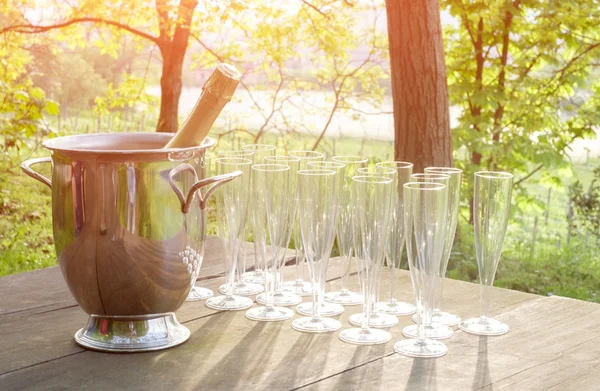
(44, 290)
(46, 333)
(553, 344)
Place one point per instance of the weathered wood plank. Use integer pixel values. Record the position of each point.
(47, 334)
(227, 351)
(43, 290)
(553, 344)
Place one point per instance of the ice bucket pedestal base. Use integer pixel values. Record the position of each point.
(127, 334)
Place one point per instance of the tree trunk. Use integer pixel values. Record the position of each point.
(419, 87)
(170, 88)
(173, 53)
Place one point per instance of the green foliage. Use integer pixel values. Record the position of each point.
(521, 72)
(572, 270)
(586, 205)
(25, 223)
(22, 124)
(128, 94)
(68, 78)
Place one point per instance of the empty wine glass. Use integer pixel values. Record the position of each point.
(280, 296)
(425, 207)
(198, 292)
(299, 286)
(272, 223)
(432, 329)
(491, 208)
(377, 319)
(395, 245)
(370, 199)
(454, 184)
(327, 309)
(232, 206)
(344, 231)
(242, 286)
(317, 212)
(259, 152)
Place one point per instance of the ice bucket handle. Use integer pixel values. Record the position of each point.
(215, 181)
(26, 167)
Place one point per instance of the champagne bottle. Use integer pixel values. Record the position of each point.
(216, 92)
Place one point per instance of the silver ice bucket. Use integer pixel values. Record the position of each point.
(129, 228)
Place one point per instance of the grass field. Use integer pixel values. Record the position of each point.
(544, 264)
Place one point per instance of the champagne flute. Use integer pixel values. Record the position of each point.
(491, 207)
(327, 309)
(317, 212)
(432, 329)
(439, 316)
(370, 198)
(299, 286)
(259, 152)
(344, 231)
(197, 292)
(272, 222)
(377, 319)
(242, 286)
(281, 297)
(425, 207)
(395, 244)
(232, 206)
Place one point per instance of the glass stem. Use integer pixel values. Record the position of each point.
(368, 293)
(486, 300)
(241, 268)
(346, 259)
(232, 271)
(299, 262)
(270, 279)
(257, 265)
(299, 251)
(437, 305)
(316, 292)
(420, 314)
(392, 282)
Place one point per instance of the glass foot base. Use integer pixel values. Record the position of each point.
(378, 320)
(483, 326)
(198, 293)
(243, 289)
(396, 308)
(443, 318)
(283, 299)
(420, 348)
(298, 287)
(344, 298)
(431, 332)
(255, 277)
(265, 314)
(316, 325)
(359, 336)
(231, 303)
(327, 309)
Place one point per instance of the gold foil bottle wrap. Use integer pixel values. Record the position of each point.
(216, 92)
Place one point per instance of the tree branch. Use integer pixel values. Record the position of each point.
(529, 175)
(33, 29)
(315, 8)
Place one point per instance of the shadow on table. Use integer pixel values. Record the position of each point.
(482, 370)
(244, 360)
(301, 349)
(422, 374)
(356, 376)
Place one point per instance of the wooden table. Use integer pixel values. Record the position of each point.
(553, 344)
